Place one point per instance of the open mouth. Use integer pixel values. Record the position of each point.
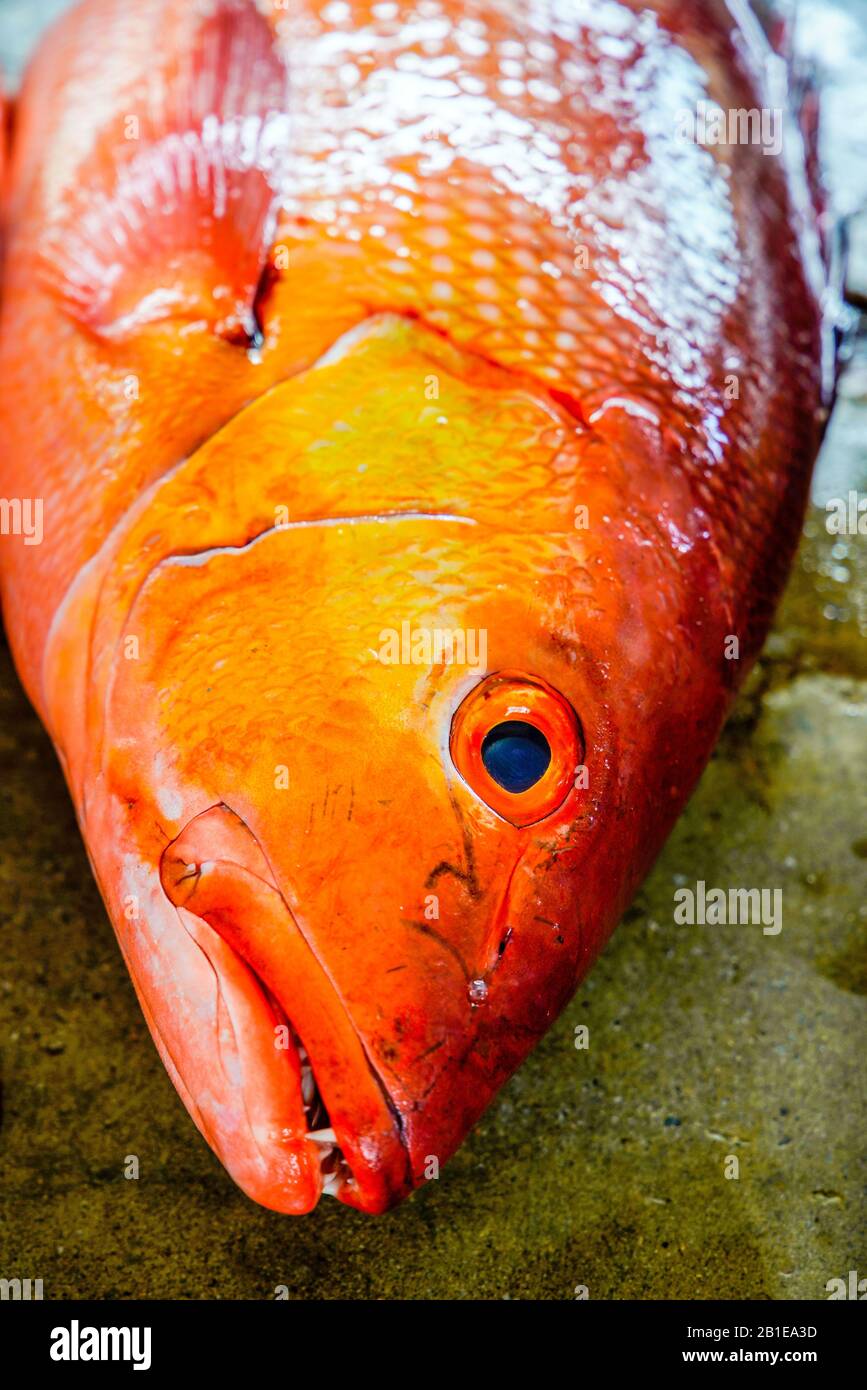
(332, 1163)
(318, 1095)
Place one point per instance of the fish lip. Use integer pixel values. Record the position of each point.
(317, 1152)
(354, 1168)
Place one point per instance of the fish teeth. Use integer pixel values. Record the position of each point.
(332, 1164)
(308, 1084)
(322, 1136)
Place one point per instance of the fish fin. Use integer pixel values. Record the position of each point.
(805, 86)
(777, 18)
(797, 80)
(778, 22)
(173, 215)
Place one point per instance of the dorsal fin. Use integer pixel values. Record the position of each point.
(174, 213)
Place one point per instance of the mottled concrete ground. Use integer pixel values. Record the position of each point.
(602, 1167)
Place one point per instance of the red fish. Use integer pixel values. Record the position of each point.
(412, 406)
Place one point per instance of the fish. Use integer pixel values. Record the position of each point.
(419, 400)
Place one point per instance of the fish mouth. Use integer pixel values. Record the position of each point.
(338, 1132)
(334, 1171)
(336, 1178)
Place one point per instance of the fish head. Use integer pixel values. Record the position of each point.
(394, 713)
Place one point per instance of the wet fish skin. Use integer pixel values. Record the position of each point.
(462, 336)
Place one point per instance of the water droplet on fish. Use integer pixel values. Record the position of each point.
(477, 992)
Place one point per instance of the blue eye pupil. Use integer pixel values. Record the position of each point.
(516, 755)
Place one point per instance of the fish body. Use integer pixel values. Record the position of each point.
(423, 427)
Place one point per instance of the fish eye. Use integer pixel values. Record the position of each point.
(516, 754)
(517, 742)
